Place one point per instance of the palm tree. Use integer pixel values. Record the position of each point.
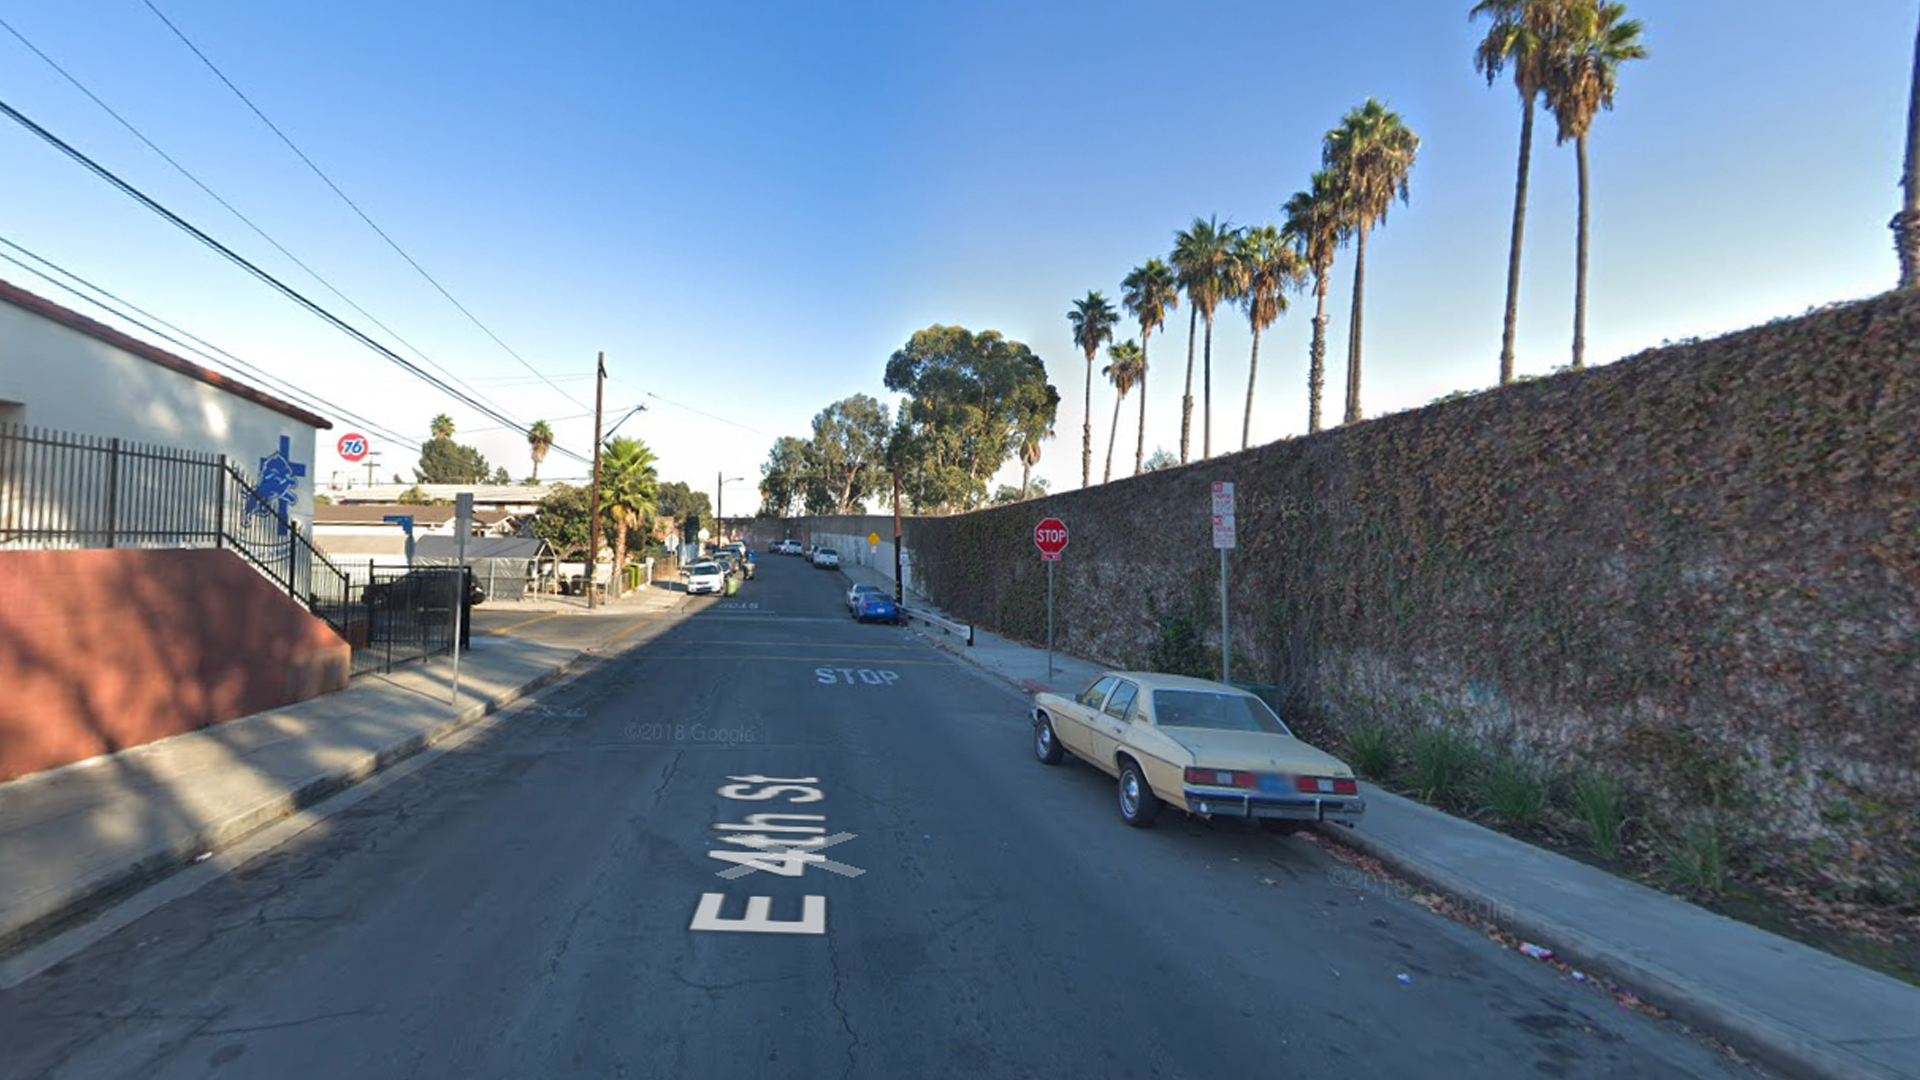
(1035, 428)
(629, 491)
(1581, 81)
(1092, 318)
(1128, 364)
(442, 426)
(1906, 225)
(539, 441)
(1151, 292)
(1269, 270)
(1317, 231)
(1203, 255)
(1522, 34)
(1369, 155)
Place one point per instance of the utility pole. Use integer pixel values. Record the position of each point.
(719, 505)
(899, 578)
(593, 520)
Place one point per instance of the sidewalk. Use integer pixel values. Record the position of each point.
(1794, 1008)
(76, 836)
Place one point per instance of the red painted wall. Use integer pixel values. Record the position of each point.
(105, 650)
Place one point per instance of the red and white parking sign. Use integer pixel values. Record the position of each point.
(353, 446)
(1050, 536)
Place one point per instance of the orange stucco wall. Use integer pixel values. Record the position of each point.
(105, 650)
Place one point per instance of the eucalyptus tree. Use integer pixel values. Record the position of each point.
(1151, 290)
(1269, 269)
(1370, 156)
(1582, 79)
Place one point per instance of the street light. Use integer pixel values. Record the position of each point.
(640, 408)
(720, 501)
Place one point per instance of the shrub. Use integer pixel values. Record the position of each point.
(1370, 751)
(1696, 857)
(1514, 791)
(1600, 802)
(1442, 763)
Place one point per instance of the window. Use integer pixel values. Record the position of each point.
(1093, 695)
(1217, 712)
(1122, 700)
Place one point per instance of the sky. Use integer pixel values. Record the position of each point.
(749, 207)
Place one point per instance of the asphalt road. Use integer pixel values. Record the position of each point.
(522, 907)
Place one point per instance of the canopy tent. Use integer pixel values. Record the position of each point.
(505, 566)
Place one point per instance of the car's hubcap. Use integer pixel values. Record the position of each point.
(1043, 739)
(1130, 794)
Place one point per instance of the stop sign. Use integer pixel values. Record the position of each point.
(1050, 536)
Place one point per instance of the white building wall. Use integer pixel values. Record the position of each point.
(53, 376)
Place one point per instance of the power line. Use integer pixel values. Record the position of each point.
(200, 347)
(710, 416)
(182, 169)
(356, 207)
(354, 332)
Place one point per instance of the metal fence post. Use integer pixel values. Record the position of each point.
(220, 504)
(113, 487)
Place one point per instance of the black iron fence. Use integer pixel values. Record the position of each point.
(62, 490)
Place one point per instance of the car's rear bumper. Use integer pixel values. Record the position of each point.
(1344, 809)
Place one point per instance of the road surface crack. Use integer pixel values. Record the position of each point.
(251, 1028)
(673, 767)
(853, 1039)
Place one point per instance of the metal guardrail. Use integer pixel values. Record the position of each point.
(945, 624)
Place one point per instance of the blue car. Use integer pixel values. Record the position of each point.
(876, 607)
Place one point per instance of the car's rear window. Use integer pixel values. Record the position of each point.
(1216, 712)
(829, 551)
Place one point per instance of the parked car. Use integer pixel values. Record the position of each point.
(1207, 748)
(854, 594)
(876, 607)
(826, 558)
(706, 577)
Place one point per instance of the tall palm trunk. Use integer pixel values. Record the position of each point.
(1317, 352)
(1206, 443)
(1107, 479)
(1026, 471)
(1580, 266)
(618, 582)
(1353, 332)
(1906, 226)
(1140, 447)
(1253, 369)
(1513, 250)
(1186, 403)
(1086, 442)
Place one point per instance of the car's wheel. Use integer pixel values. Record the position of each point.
(1046, 745)
(1139, 806)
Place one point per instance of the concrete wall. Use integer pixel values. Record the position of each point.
(66, 380)
(104, 650)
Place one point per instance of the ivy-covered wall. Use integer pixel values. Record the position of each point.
(1698, 568)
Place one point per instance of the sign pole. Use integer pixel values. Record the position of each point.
(1223, 541)
(1050, 618)
(463, 516)
(1225, 637)
(1050, 536)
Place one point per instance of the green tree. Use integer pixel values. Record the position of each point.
(971, 398)
(1203, 257)
(443, 461)
(629, 491)
(500, 476)
(1584, 73)
(1370, 156)
(784, 475)
(1161, 459)
(848, 451)
(1032, 433)
(539, 441)
(1150, 291)
(1269, 269)
(1520, 37)
(1123, 372)
(441, 427)
(1314, 225)
(563, 520)
(1092, 319)
(1007, 494)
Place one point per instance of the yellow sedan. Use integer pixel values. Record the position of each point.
(1203, 747)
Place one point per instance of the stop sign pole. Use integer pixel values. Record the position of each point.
(1050, 536)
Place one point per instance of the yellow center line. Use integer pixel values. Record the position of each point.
(526, 622)
(632, 628)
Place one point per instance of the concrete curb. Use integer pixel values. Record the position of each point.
(84, 897)
(1760, 1037)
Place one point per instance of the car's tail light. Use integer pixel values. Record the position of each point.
(1219, 778)
(1327, 785)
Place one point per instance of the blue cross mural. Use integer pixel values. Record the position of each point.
(279, 485)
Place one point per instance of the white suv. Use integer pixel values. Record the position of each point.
(706, 577)
(825, 558)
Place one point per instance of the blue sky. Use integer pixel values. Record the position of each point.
(749, 207)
